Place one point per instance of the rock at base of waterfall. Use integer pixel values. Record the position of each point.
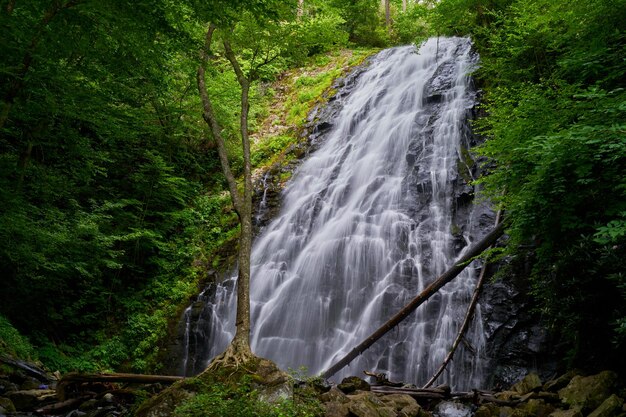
(529, 383)
(452, 409)
(352, 383)
(588, 392)
(611, 407)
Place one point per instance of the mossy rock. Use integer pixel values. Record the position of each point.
(259, 374)
(572, 412)
(7, 405)
(611, 407)
(588, 392)
(529, 383)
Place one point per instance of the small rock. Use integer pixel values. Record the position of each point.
(537, 408)
(336, 409)
(362, 409)
(31, 399)
(506, 412)
(398, 401)
(588, 392)
(488, 410)
(88, 405)
(352, 384)
(452, 409)
(609, 408)
(7, 386)
(108, 397)
(410, 411)
(30, 383)
(529, 383)
(334, 395)
(572, 412)
(561, 382)
(507, 395)
(6, 405)
(549, 397)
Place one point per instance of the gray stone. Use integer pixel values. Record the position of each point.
(31, 399)
(334, 395)
(537, 408)
(452, 409)
(529, 383)
(352, 384)
(398, 401)
(336, 409)
(572, 412)
(611, 407)
(588, 392)
(561, 382)
(487, 410)
(362, 409)
(88, 405)
(7, 405)
(410, 411)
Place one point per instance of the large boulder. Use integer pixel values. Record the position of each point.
(29, 400)
(610, 407)
(529, 383)
(590, 391)
(352, 384)
(6, 406)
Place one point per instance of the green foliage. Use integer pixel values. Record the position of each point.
(243, 401)
(12, 343)
(413, 25)
(266, 150)
(557, 127)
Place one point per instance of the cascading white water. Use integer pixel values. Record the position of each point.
(368, 220)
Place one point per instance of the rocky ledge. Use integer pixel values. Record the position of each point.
(569, 395)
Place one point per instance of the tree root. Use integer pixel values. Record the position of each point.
(232, 358)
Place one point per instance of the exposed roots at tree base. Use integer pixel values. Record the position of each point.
(234, 357)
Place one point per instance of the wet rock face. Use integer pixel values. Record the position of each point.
(517, 341)
(589, 392)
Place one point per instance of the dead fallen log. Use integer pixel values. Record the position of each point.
(428, 394)
(428, 292)
(28, 368)
(75, 378)
(466, 321)
(381, 379)
(62, 406)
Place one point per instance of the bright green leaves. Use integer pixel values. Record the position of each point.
(553, 73)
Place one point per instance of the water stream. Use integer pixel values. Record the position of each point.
(368, 220)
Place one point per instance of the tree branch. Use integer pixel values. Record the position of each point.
(209, 117)
(428, 292)
(466, 321)
(244, 82)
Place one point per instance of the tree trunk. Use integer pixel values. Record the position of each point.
(300, 9)
(403, 6)
(239, 349)
(388, 15)
(428, 292)
(242, 335)
(466, 321)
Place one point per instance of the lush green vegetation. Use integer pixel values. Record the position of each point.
(113, 204)
(553, 74)
(222, 400)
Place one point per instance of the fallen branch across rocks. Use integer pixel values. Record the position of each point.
(74, 379)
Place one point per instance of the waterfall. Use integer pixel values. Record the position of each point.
(371, 218)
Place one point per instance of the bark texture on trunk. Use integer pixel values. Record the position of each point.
(239, 348)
